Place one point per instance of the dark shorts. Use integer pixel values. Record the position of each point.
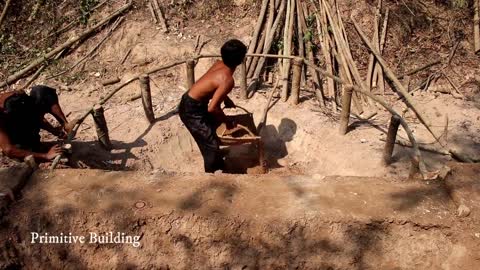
(201, 124)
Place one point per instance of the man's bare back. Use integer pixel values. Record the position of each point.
(214, 86)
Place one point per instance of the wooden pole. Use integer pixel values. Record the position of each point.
(288, 48)
(256, 32)
(4, 12)
(398, 85)
(346, 104)
(101, 127)
(476, 25)
(269, 41)
(391, 139)
(147, 98)
(190, 73)
(243, 80)
(296, 80)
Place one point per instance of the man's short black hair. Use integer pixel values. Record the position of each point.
(233, 52)
(20, 107)
(44, 97)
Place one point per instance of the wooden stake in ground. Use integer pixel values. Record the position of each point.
(4, 12)
(391, 139)
(13, 78)
(296, 80)
(147, 98)
(346, 104)
(101, 127)
(476, 25)
(190, 73)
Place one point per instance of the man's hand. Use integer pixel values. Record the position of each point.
(53, 152)
(229, 103)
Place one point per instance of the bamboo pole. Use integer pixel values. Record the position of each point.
(375, 40)
(288, 50)
(391, 139)
(270, 38)
(398, 85)
(101, 127)
(190, 73)
(60, 48)
(254, 62)
(4, 12)
(296, 80)
(256, 32)
(271, 17)
(343, 48)
(346, 105)
(300, 30)
(378, 77)
(243, 80)
(309, 55)
(147, 98)
(476, 25)
(326, 51)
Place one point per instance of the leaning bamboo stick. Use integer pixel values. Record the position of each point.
(371, 83)
(309, 55)
(60, 48)
(4, 12)
(300, 36)
(256, 32)
(287, 41)
(326, 51)
(398, 85)
(417, 158)
(343, 51)
(270, 19)
(378, 72)
(266, 49)
(476, 25)
(254, 61)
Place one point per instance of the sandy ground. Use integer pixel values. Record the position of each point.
(246, 222)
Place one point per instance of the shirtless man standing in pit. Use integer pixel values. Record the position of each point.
(200, 109)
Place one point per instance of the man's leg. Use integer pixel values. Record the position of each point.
(203, 133)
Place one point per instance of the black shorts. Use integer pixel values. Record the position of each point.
(201, 124)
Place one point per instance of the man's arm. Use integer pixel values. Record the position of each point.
(57, 112)
(53, 130)
(12, 151)
(218, 97)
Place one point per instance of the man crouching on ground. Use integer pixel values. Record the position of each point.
(200, 109)
(21, 118)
